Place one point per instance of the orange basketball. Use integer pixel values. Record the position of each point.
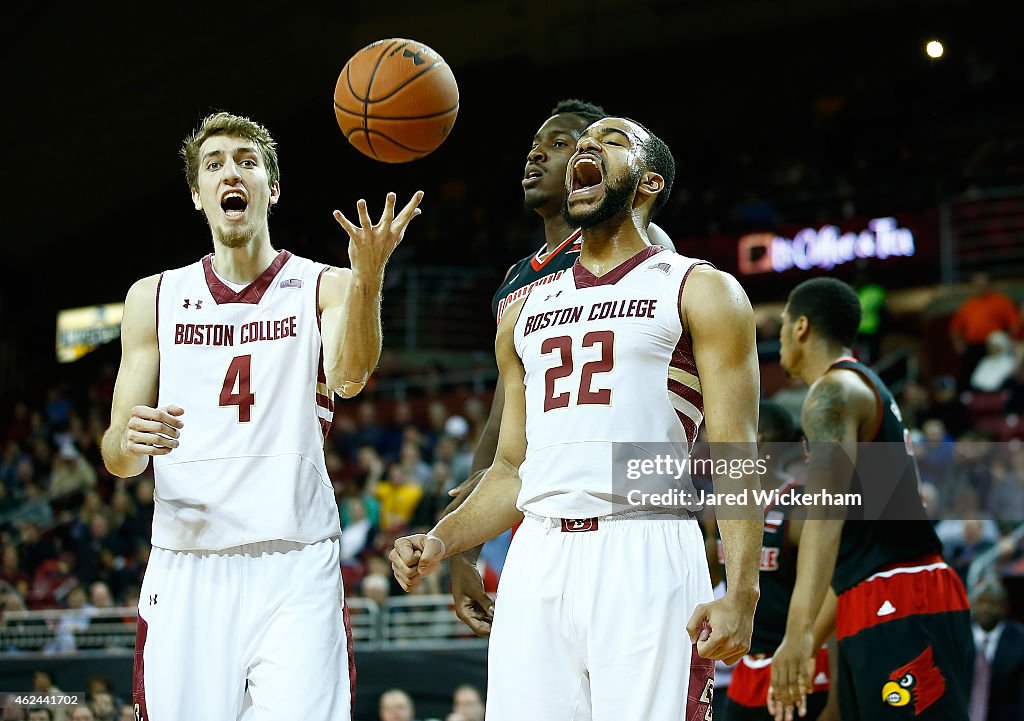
(396, 100)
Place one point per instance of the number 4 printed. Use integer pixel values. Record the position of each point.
(238, 375)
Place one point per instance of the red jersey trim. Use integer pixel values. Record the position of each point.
(538, 265)
(157, 321)
(585, 279)
(878, 396)
(252, 293)
(319, 313)
(910, 588)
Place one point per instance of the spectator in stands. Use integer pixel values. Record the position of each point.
(947, 406)
(399, 496)
(972, 466)
(985, 311)
(435, 496)
(358, 531)
(126, 712)
(396, 705)
(103, 707)
(392, 436)
(451, 451)
(40, 714)
(100, 596)
(89, 550)
(36, 508)
(81, 713)
(35, 549)
(997, 689)
(92, 504)
(376, 587)
(914, 402)
(1006, 495)
(416, 469)
(935, 453)
(71, 475)
(997, 365)
(368, 432)
(75, 619)
(12, 572)
(139, 526)
(467, 704)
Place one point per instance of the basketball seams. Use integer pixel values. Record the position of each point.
(366, 100)
(446, 111)
(370, 131)
(404, 83)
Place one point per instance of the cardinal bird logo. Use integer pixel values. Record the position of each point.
(919, 683)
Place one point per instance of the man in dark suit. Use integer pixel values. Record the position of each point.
(997, 691)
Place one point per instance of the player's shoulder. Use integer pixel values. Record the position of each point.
(840, 390)
(144, 288)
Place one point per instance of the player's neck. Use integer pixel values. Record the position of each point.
(244, 264)
(819, 358)
(610, 244)
(556, 230)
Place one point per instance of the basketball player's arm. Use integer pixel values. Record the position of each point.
(349, 299)
(491, 508)
(825, 622)
(720, 322)
(137, 429)
(830, 422)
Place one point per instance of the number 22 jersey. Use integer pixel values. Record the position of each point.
(609, 369)
(247, 367)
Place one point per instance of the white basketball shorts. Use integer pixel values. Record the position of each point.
(261, 626)
(590, 623)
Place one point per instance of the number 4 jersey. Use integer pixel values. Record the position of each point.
(607, 364)
(247, 367)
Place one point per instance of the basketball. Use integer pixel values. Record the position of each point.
(396, 100)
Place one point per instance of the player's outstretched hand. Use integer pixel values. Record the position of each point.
(722, 628)
(415, 557)
(792, 677)
(472, 604)
(152, 431)
(370, 245)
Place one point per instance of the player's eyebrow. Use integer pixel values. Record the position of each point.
(238, 151)
(605, 132)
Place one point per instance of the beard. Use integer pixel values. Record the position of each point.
(616, 198)
(235, 238)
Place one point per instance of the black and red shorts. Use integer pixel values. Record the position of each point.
(748, 689)
(905, 645)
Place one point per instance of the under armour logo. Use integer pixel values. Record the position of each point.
(416, 59)
(197, 305)
(553, 295)
(152, 599)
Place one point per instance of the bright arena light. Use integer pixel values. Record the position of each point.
(934, 49)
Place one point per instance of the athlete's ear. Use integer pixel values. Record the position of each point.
(802, 328)
(651, 184)
(275, 192)
(196, 200)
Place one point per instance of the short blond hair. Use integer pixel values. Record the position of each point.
(227, 124)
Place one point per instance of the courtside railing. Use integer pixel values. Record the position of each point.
(401, 622)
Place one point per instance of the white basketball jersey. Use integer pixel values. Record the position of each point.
(606, 363)
(247, 367)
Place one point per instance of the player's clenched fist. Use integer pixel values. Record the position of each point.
(152, 431)
(722, 628)
(415, 557)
